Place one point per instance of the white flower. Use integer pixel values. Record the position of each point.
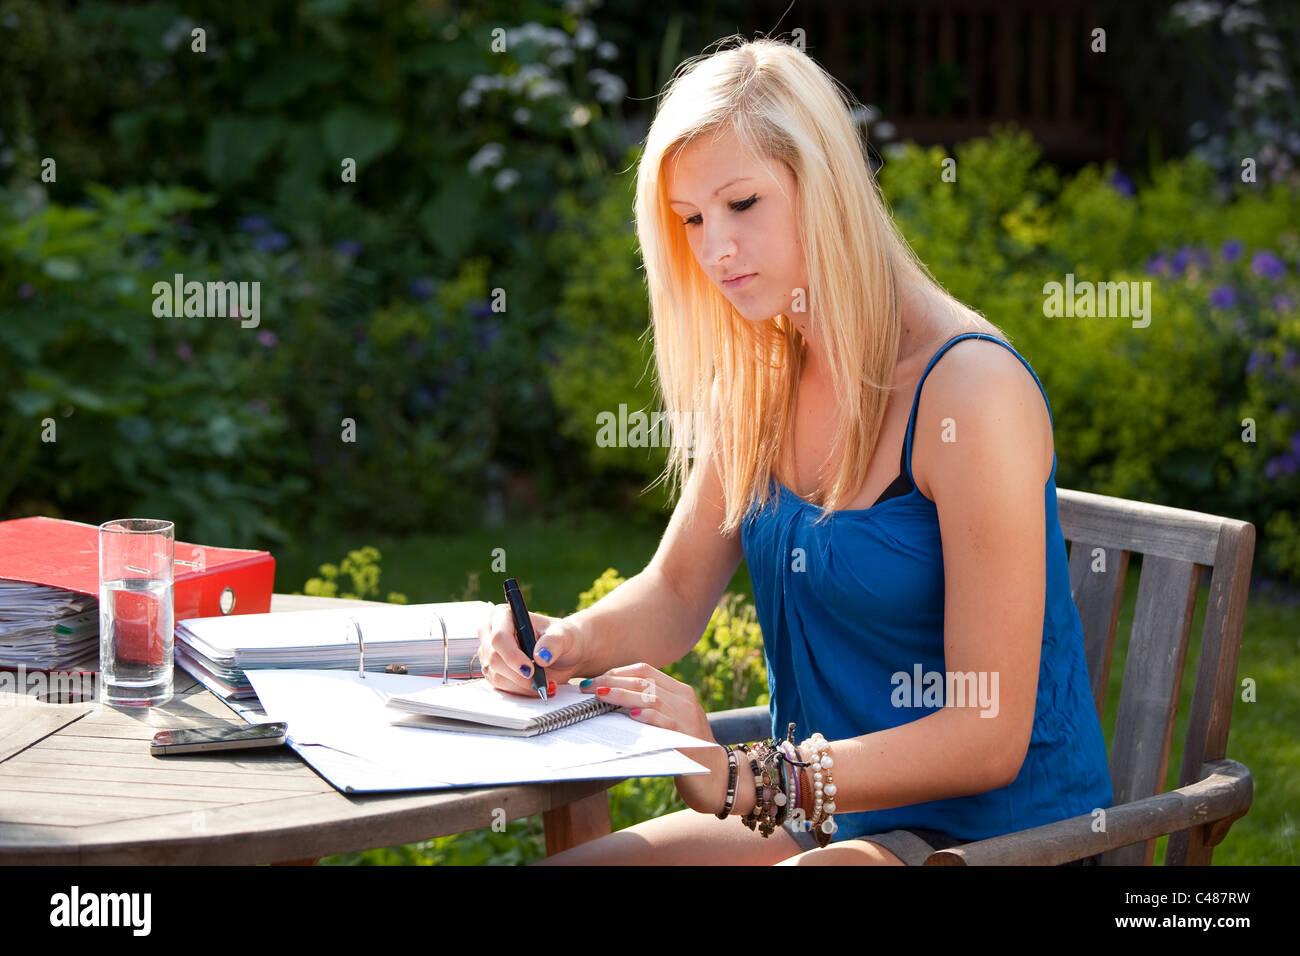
(469, 99)
(612, 91)
(522, 115)
(505, 179)
(578, 116)
(586, 37)
(560, 56)
(489, 154)
(544, 88)
(606, 50)
(1237, 19)
(885, 130)
(1195, 12)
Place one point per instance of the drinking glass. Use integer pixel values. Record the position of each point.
(135, 611)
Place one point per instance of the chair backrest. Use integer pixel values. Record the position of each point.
(1176, 547)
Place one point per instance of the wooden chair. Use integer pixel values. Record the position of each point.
(1213, 791)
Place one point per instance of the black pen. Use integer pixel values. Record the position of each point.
(524, 633)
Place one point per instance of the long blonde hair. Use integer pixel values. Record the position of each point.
(782, 105)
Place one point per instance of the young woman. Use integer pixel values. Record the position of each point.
(893, 532)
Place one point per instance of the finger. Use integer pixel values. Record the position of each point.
(624, 691)
(556, 641)
(510, 669)
(654, 716)
(648, 688)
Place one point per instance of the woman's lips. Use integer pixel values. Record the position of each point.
(733, 284)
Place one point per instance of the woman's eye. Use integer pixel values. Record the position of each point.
(739, 206)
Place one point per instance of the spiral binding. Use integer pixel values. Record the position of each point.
(572, 714)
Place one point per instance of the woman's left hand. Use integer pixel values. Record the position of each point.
(652, 697)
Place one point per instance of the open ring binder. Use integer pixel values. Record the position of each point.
(361, 649)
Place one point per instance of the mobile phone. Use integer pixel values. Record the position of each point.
(200, 740)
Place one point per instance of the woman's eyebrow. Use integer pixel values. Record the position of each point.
(673, 202)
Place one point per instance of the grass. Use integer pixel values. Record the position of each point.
(556, 560)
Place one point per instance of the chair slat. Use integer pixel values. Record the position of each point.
(1153, 671)
(1137, 526)
(1216, 676)
(1097, 585)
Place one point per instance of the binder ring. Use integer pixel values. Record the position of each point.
(445, 646)
(361, 649)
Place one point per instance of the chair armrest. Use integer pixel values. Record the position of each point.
(1224, 791)
(740, 725)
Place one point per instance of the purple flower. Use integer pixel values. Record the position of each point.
(1285, 464)
(1289, 358)
(486, 334)
(184, 352)
(1157, 265)
(26, 290)
(421, 288)
(348, 247)
(1257, 361)
(1181, 258)
(271, 242)
(1201, 257)
(267, 338)
(1223, 297)
(1231, 250)
(481, 310)
(1283, 409)
(1267, 265)
(1120, 182)
(253, 224)
(1295, 443)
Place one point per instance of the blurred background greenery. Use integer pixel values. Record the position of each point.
(473, 300)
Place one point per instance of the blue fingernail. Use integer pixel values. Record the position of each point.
(545, 655)
(525, 669)
(588, 682)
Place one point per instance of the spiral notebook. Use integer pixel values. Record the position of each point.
(475, 706)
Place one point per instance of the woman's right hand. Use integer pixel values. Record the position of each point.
(507, 668)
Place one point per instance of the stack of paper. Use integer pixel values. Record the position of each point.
(46, 628)
(218, 651)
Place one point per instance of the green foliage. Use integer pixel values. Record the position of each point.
(106, 407)
(362, 566)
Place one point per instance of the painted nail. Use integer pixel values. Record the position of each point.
(602, 690)
(588, 682)
(545, 655)
(637, 711)
(550, 688)
(525, 670)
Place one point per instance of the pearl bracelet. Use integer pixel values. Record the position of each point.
(823, 820)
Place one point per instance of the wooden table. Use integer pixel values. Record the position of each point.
(78, 786)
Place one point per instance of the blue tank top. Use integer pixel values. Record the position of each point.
(866, 604)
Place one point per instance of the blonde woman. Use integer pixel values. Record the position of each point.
(891, 531)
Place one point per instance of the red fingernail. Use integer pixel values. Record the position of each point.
(550, 688)
(637, 711)
(602, 690)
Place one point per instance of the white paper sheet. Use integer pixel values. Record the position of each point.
(349, 715)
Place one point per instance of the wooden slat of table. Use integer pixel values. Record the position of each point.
(24, 724)
(317, 825)
(218, 795)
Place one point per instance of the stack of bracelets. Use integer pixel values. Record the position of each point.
(782, 795)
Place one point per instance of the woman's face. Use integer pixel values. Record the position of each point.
(738, 222)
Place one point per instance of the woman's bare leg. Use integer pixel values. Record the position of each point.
(684, 838)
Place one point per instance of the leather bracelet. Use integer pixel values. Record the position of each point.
(732, 773)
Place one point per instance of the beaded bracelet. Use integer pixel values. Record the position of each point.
(732, 771)
(792, 812)
(773, 802)
(823, 793)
